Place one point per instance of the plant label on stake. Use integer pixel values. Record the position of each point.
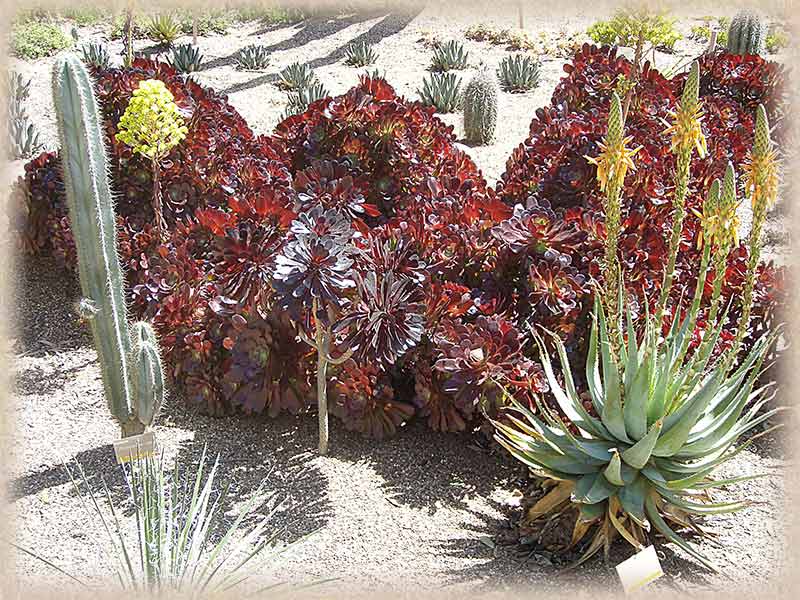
(135, 447)
(639, 570)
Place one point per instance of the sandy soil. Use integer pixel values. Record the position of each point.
(418, 512)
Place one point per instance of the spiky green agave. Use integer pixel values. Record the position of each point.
(443, 91)
(664, 426)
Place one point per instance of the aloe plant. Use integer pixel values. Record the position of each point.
(173, 548)
(186, 58)
(518, 73)
(296, 76)
(253, 57)
(360, 54)
(661, 429)
(96, 55)
(298, 101)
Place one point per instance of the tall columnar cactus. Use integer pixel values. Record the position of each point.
(746, 34)
(480, 108)
(129, 359)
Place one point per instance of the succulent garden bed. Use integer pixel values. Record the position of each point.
(361, 249)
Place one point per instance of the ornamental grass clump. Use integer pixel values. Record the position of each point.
(181, 542)
(152, 126)
(664, 410)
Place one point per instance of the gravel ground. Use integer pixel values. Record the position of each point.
(418, 512)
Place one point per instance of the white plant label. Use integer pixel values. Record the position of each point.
(639, 570)
(135, 447)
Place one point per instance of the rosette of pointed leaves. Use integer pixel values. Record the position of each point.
(315, 266)
(646, 460)
(477, 357)
(536, 230)
(330, 185)
(387, 319)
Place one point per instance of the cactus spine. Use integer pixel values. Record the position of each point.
(746, 34)
(480, 108)
(129, 359)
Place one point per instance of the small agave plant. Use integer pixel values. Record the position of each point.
(186, 58)
(253, 58)
(360, 54)
(518, 73)
(637, 458)
(450, 56)
(96, 56)
(298, 101)
(442, 90)
(296, 77)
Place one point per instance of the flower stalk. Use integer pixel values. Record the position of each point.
(761, 182)
(613, 163)
(687, 136)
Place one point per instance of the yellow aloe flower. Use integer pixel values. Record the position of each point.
(761, 178)
(687, 131)
(614, 162)
(719, 229)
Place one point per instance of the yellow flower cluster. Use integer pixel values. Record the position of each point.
(614, 162)
(152, 124)
(687, 131)
(762, 178)
(720, 227)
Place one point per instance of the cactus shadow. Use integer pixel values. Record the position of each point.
(42, 316)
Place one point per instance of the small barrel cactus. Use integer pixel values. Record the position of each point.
(746, 34)
(480, 108)
(129, 358)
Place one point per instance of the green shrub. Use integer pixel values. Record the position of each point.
(35, 39)
(207, 22)
(625, 26)
(270, 14)
(777, 39)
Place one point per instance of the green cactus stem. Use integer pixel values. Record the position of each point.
(746, 34)
(131, 368)
(480, 108)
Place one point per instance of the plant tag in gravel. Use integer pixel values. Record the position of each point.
(135, 447)
(639, 570)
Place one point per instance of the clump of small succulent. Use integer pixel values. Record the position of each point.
(480, 108)
(164, 29)
(746, 34)
(253, 58)
(450, 56)
(360, 54)
(296, 76)
(152, 126)
(518, 73)
(96, 56)
(374, 74)
(442, 90)
(298, 101)
(23, 136)
(186, 58)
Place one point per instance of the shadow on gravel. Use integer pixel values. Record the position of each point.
(277, 453)
(43, 314)
(387, 26)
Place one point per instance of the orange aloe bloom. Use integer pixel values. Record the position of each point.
(614, 162)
